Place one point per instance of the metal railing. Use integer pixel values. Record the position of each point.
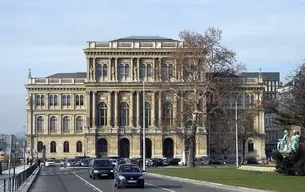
(14, 182)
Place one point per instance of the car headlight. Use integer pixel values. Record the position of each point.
(111, 171)
(95, 171)
(122, 177)
(142, 177)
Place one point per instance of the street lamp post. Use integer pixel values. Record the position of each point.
(236, 133)
(144, 130)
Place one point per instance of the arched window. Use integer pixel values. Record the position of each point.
(39, 123)
(105, 70)
(168, 113)
(53, 123)
(250, 146)
(142, 71)
(147, 115)
(81, 100)
(55, 100)
(39, 146)
(149, 70)
(38, 101)
(64, 100)
(66, 147)
(68, 100)
(170, 70)
(127, 70)
(42, 99)
(76, 99)
(121, 70)
(66, 123)
(79, 123)
(102, 114)
(52, 147)
(99, 70)
(51, 98)
(79, 147)
(124, 114)
(164, 69)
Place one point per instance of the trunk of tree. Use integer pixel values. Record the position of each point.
(243, 151)
(192, 143)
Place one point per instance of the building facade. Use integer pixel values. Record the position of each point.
(100, 112)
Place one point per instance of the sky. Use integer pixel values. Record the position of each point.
(48, 36)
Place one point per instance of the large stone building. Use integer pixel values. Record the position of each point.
(99, 112)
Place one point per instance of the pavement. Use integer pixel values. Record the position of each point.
(59, 179)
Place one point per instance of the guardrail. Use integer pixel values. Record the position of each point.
(14, 182)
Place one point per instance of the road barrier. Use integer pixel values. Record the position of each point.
(14, 182)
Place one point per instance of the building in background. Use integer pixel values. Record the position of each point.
(272, 86)
(99, 112)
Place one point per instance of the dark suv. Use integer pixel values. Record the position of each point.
(100, 168)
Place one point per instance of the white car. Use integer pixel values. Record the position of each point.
(50, 163)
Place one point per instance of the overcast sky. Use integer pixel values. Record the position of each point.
(49, 35)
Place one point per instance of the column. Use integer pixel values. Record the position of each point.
(88, 69)
(131, 68)
(109, 70)
(153, 109)
(160, 109)
(131, 110)
(138, 65)
(88, 108)
(109, 124)
(138, 109)
(116, 118)
(160, 68)
(94, 69)
(153, 70)
(94, 109)
(116, 69)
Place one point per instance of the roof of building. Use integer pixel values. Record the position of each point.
(144, 38)
(69, 75)
(267, 76)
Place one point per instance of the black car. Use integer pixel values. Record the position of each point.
(128, 175)
(100, 168)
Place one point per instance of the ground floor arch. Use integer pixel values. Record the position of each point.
(148, 147)
(124, 148)
(101, 148)
(168, 147)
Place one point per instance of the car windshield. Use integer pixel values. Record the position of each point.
(50, 160)
(99, 163)
(71, 160)
(129, 168)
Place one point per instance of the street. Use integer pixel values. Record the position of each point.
(59, 179)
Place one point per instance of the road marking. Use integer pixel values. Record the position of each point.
(160, 187)
(88, 183)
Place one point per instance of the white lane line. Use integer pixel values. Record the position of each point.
(160, 187)
(88, 183)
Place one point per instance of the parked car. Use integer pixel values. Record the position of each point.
(62, 162)
(101, 168)
(84, 163)
(50, 163)
(262, 161)
(70, 162)
(128, 175)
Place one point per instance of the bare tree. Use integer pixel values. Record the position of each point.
(201, 65)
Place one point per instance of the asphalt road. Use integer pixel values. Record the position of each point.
(77, 180)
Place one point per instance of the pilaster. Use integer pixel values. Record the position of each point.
(94, 109)
(131, 109)
(160, 109)
(138, 71)
(131, 73)
(88, 69)
(94, 69)
(116, 68)
(109, 70)
(153, 110)
(88, 109)
(116, 118)
(109, 124)
(138, 110)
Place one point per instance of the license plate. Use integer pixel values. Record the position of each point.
(132, 181)
(104, 174)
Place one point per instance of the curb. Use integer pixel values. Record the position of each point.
(25, 187)
(209, 184)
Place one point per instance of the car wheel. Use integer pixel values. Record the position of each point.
(93, 177)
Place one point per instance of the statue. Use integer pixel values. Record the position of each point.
(113, 71)
(135, 71)
(91, 72)
(28, 100)
(282, 143)
(295, 141)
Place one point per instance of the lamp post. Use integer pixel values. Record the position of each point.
(144, 130)
(236, 131)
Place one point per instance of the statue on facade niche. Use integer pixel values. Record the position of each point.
(135, 71)
(282, 143)
(91, 71)
(294, 141)
(113, 71)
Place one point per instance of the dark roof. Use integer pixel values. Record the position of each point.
(69, 75)
(267, 76)
(144, 38)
